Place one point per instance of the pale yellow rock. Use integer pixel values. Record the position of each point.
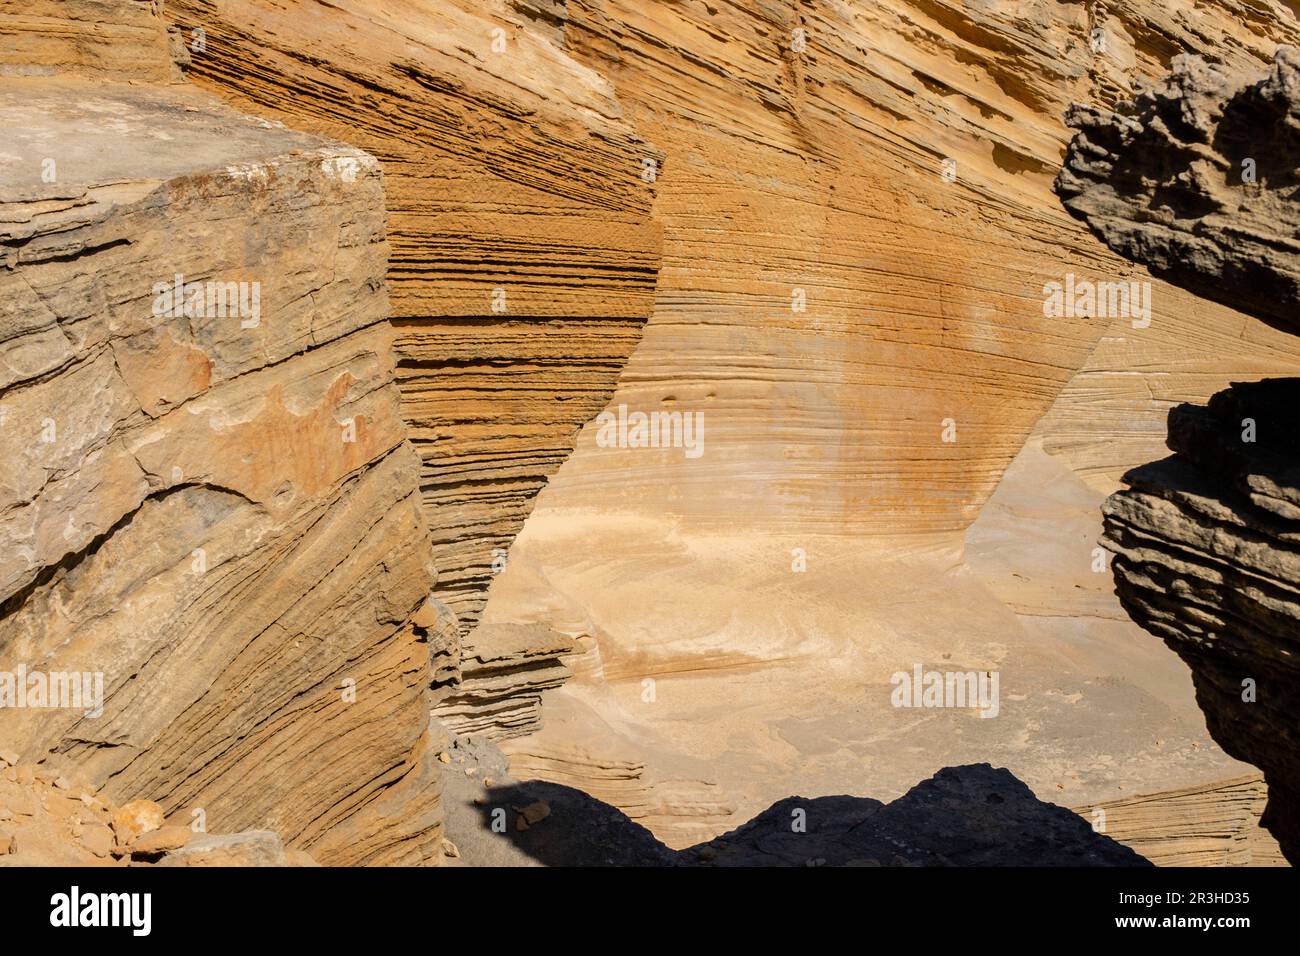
(161, 840)
(98, 840)
(132, 820)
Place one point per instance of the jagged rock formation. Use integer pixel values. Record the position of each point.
(1195, 179)
(208, 499)
(1206, 558)
(504, 669)
(1205, 541)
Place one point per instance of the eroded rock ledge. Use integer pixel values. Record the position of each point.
(214, 507)
(1197, 179)
(1207, 556)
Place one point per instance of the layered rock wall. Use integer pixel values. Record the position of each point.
(893, 179)
(209, 505)
(1196, 178)
(837, 217)
(523, 265)
(524, 254)
(859, 225)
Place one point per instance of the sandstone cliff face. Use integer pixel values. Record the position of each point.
(523, 264)
(1197, 179)
(857, 236)
(762, 588)
(838, 221)
(208, 502)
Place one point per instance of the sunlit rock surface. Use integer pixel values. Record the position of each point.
(213, 507)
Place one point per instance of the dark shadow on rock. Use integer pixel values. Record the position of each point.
(1196, 179)
(568, 827)
(973, 815)
(1206, 547)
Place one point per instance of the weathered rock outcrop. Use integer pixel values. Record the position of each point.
(209, 506)
(1197, 179)
(857, 223)
(1207, 557)
(524, 254)
(1214, 824)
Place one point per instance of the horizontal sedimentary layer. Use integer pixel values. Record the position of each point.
(508, 165)
(503, 670)
(1213, 824)
(494, 406)
(1207, 557)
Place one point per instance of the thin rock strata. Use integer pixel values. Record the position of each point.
(1197, 180)
(208, 505)
(1207, 557)
(264, 520)
(523, 260)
